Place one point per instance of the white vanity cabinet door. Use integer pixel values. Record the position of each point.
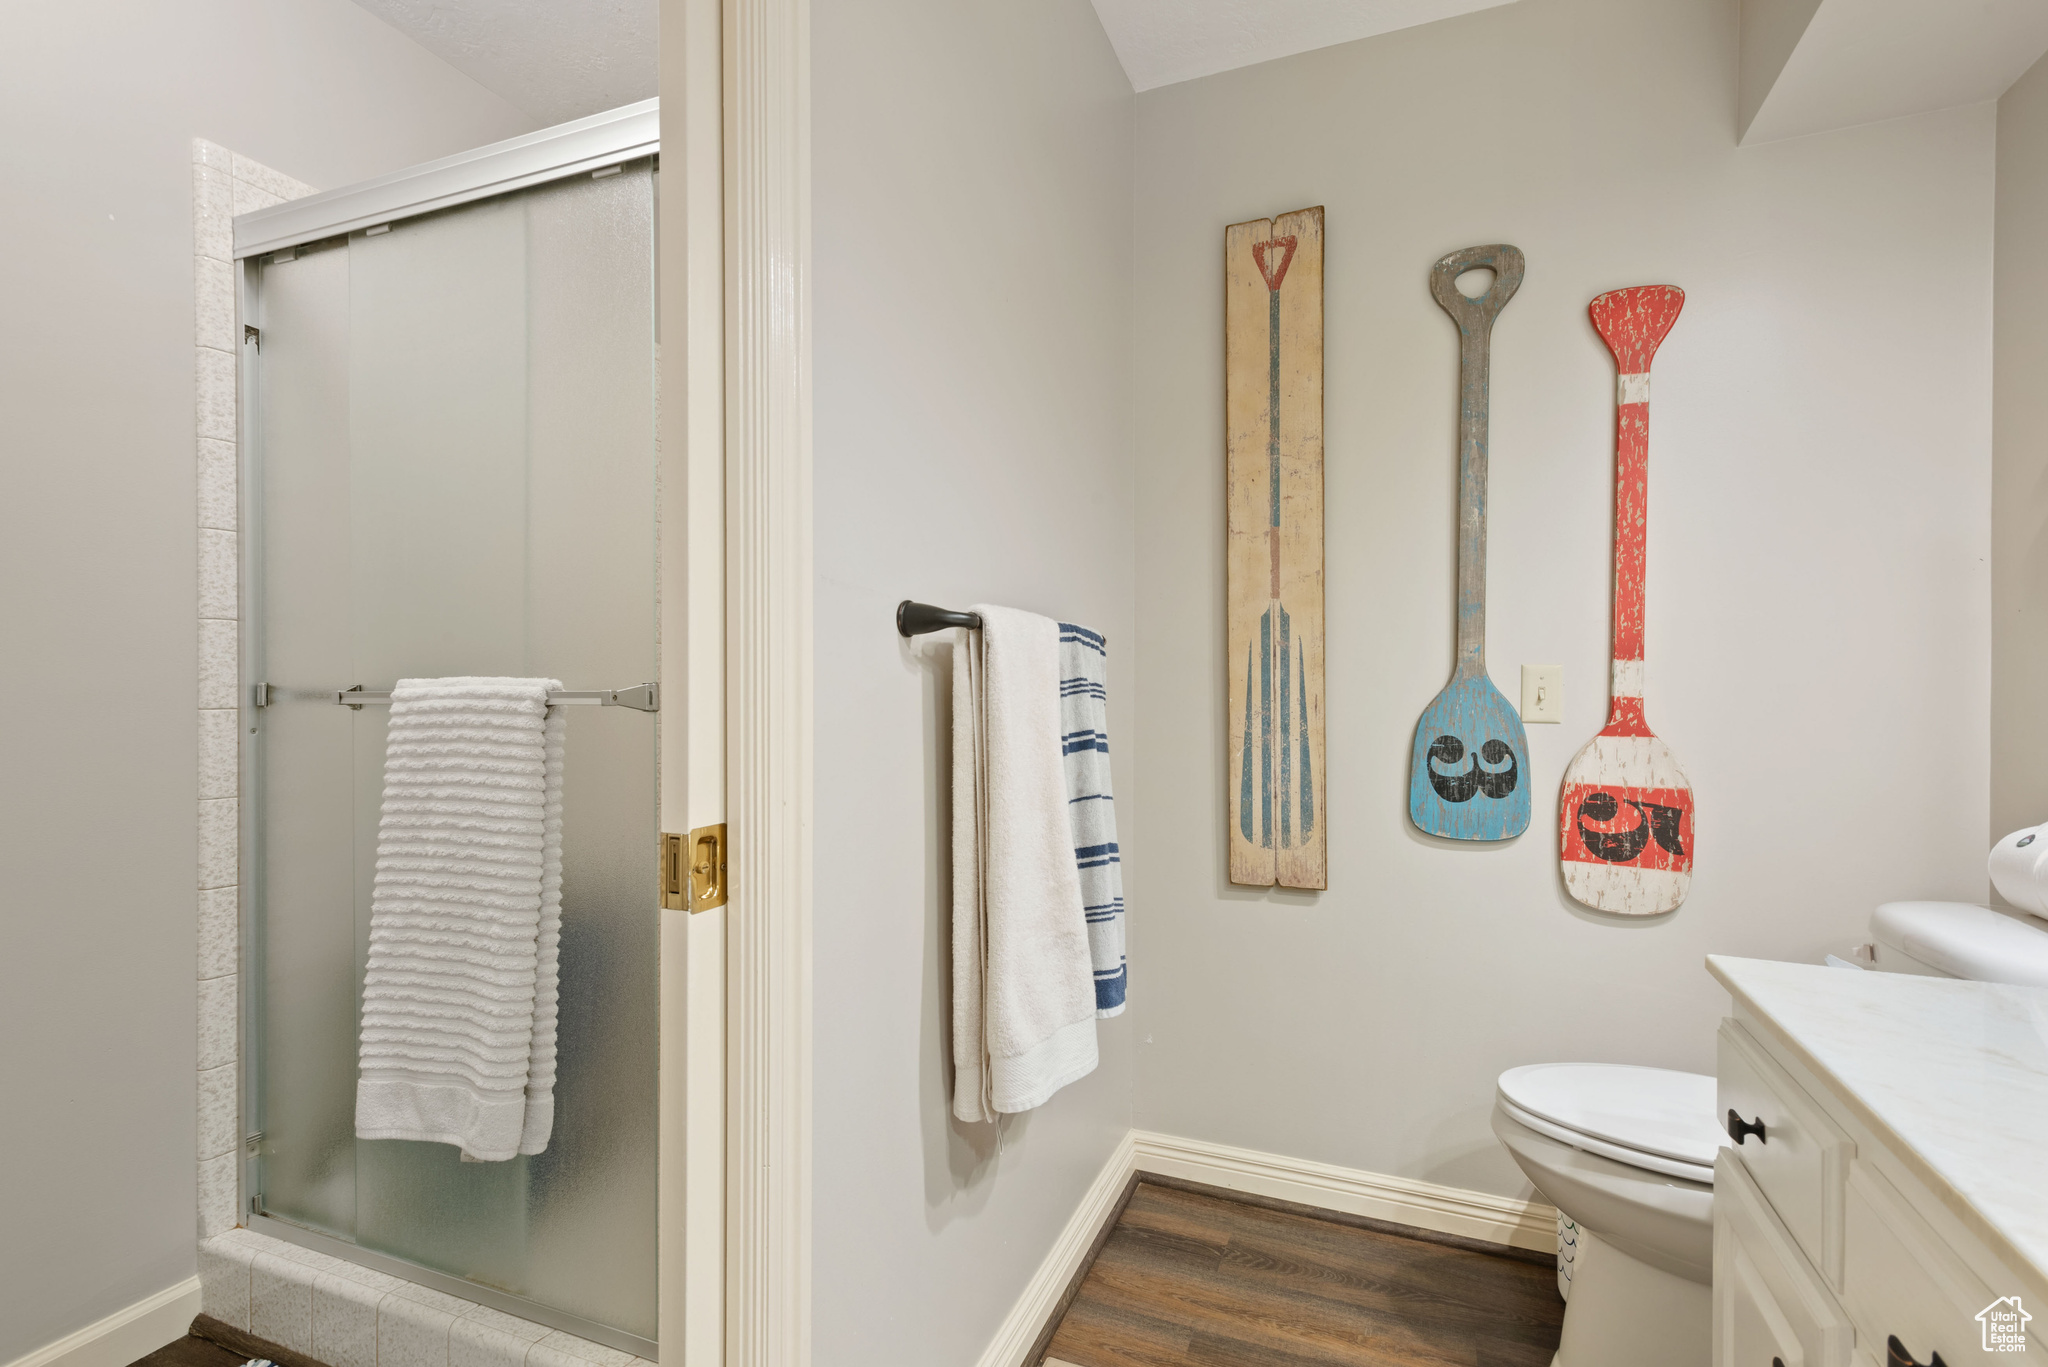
(1801, 1158)
(1752, 1330)
(1904, 1281)
(1770, 1308)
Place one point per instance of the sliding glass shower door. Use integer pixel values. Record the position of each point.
(451, 470)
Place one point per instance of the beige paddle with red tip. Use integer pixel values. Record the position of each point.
(1625, 815)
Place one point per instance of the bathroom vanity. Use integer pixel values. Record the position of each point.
(1884, 1198)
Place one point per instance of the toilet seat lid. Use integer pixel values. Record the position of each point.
(1653, 1110)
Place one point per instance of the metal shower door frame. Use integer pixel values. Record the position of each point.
(604, 140)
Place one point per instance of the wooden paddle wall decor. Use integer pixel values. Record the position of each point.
(1625, 813)
(1468, 775)
(1273, 388)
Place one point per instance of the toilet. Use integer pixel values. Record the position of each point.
(1959, 940)
(1627, 1153)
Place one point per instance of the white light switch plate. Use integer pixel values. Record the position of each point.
(1542, 693)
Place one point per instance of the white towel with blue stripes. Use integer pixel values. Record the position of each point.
(1091, 807)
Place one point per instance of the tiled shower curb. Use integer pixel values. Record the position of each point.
(334, 1312)
(343, 1315)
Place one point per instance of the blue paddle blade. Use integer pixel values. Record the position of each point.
(1469, 776)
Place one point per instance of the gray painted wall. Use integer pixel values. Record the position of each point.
(1818, 582)
(2019, 480)
(972, 219)
(100, 100)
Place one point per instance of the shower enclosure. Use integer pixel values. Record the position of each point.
(449, 467)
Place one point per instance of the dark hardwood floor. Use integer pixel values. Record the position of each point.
(1188, 1279)
(191, 1351)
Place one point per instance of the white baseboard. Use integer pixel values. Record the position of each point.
(1020, 1328)
(132, 1332)
(1401, 1200)
(1350, 1191)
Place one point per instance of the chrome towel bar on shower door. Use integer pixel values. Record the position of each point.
(641, 697)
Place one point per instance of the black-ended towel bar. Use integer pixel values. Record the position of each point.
(915, 619)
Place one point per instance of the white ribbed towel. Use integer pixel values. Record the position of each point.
(1023, 987)
(459, 999)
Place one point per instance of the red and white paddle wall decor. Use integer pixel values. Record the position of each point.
(1625, 815)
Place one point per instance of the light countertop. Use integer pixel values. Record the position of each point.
(1952, 1075)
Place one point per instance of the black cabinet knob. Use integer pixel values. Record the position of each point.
(1895, 1355)
(1740, 1129)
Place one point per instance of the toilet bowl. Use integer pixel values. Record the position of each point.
(1627, 1154)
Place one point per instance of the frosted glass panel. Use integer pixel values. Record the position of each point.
(454, 466)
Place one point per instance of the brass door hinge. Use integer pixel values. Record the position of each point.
(693, 869)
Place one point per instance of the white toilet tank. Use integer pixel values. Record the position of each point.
(1960, 940)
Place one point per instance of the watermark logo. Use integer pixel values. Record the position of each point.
(2005, 1325)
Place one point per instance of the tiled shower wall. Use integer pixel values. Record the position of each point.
(323, 1307)
(223, 185)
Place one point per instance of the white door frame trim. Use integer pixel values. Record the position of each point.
(691, 228)
(768, 681)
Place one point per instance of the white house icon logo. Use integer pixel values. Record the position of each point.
(2005, 1325)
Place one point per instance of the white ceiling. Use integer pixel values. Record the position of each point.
(562, 59)
(1813, 65)
(1807, 65)
(1163, 41)
(556, 60)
